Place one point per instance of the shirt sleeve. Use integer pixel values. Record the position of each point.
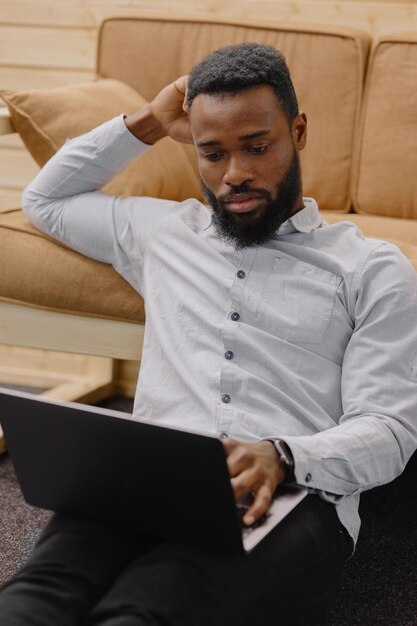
(64, 200)
(377, 432)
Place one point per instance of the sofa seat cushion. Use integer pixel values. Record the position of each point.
(401, 232)
(37, 271)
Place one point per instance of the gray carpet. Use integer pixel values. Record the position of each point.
(20, 523)
(380, 581)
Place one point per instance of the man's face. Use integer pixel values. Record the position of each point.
(248, 160)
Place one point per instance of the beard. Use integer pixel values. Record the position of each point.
(246, 231)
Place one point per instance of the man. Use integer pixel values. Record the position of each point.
(291, 340)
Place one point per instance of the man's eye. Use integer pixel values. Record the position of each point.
(259, 149)
(213, 156)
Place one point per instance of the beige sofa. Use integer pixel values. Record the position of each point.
(360, 162)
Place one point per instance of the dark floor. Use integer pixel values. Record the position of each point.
(379, 584)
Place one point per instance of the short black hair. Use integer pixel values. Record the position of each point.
(243, 66)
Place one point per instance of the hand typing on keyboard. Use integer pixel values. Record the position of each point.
(242, 509)
(256, 469)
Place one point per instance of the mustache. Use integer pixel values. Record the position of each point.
(236, 190)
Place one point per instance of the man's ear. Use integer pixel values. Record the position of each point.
(299, 130)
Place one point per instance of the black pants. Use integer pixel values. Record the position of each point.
(81, 573)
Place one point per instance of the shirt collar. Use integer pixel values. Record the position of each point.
(304, 221)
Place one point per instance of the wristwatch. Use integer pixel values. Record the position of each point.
(286, 458)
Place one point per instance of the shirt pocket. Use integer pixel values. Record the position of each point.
(297, 301)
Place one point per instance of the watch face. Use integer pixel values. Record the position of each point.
(281, 452)
(287, 459)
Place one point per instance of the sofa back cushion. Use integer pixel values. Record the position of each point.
(327, 67)
(386, 181)
(46, 118)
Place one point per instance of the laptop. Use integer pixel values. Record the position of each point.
(102, 465)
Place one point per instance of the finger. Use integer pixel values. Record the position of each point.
(260, 505)
(181, 84)
(240, 458)
(185, 106)
(229, 445)
(244, 483)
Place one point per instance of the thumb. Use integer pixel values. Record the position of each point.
(181, 85)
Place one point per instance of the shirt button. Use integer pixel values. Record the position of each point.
(241, 274)
(229, 355)
(235, 316)
(226, 398)
(308, 477)
(223, 435)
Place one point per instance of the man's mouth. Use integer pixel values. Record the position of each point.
(243, 202)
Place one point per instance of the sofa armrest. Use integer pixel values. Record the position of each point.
(6, 126)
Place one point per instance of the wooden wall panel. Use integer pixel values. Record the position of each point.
(17, 169)
(67, 14)
(48, 47)
(11, 141)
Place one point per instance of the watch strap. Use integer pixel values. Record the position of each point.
(286, 458)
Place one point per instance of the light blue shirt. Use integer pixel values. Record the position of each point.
(311, 337)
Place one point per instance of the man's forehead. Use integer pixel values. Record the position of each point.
(246, 137)
(250, 112)
(238, 95)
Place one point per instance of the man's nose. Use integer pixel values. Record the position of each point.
(238, 172)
